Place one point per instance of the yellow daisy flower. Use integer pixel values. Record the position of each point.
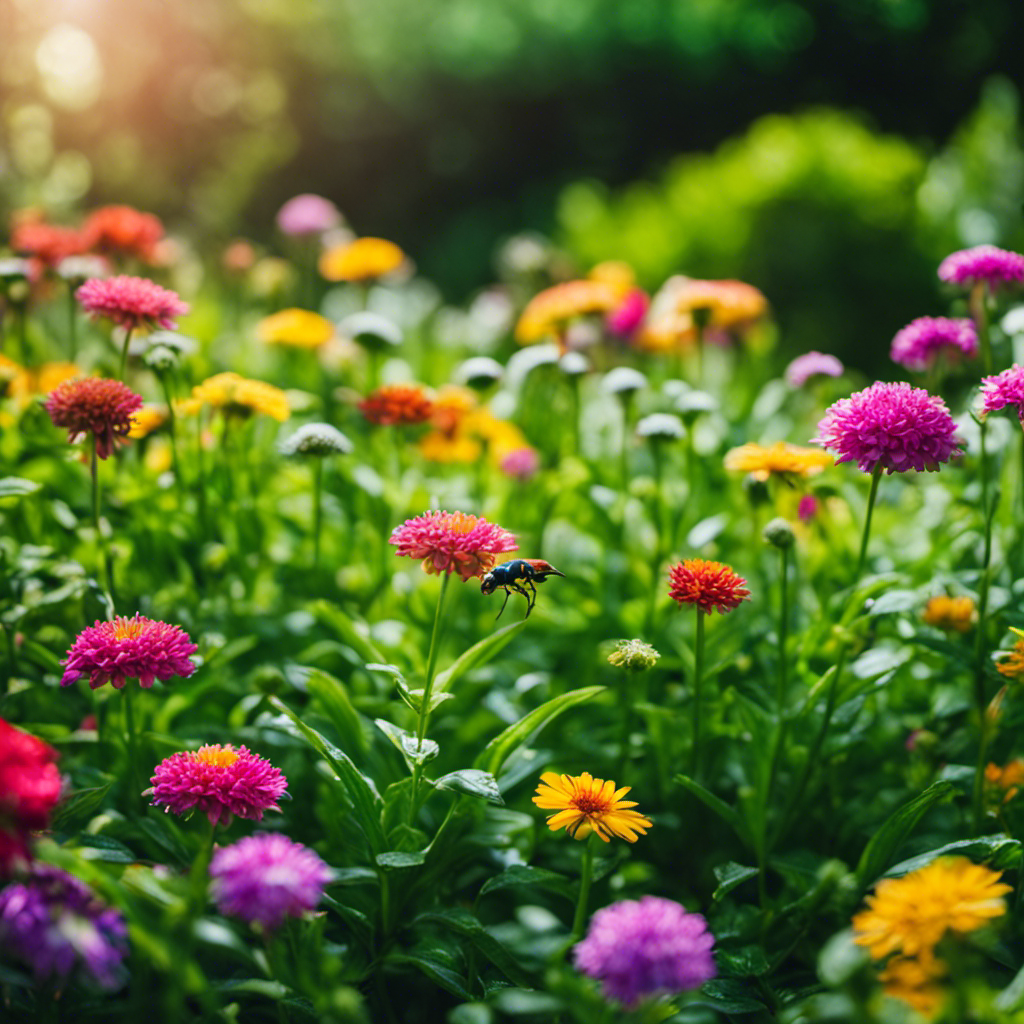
(782, 458)
(361, 260)
(237, 395)
(585, 804)
(146, 420)
(299, 328)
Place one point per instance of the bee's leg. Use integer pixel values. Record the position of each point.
(529, 605)
(533, 591)
(508, 594)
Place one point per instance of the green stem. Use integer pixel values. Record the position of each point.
(780, 693)
(988, 510)
(201, 869)
(421, 725)
(171, 426)
(862, 558)
(586, 877)
(102, 557)
(979, 307)
(132, 746)
(72, 323)
(978, 789)
(698, 678)
(124, 356)
(318, 480)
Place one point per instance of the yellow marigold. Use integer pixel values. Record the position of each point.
(584, 804)
(23, 383)
(239, 396)
(438, 446)
(915, 983)
(50, 375)
(728, 304)
(548, 313)
(10, 373)
(910, 915)
(158, 457)
(297, 327)
(1004, 783)
(760, 462)
(361, 260)
(618, 273)
(1012, 663)
(451, 404)
(146, 420)
(954, 614)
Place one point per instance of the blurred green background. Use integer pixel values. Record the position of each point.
(829, 151)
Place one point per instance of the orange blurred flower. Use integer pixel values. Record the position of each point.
(48, 243)
(1012, 664)
(122, 231)
(363, 259)
(1006, 780)
(708, 585)
(549, 312)
(395, 404)
(954, 614)
(728, 304)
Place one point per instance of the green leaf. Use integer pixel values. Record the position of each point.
(334, 696)
(414, 752)
(479, 654)
(474, 782)
(728, 995)
(729, 876)
(400, 859)
(256, 986)
(1012, 996)
(164, 833)
(17, 487)
(365, 798)
(523, 874)
(841, 958)
(100, 847)
(78, 807)
(891, 836)
(497, 752)
(355, 634)
(895, 601)
(463, 923)
(356, 920)
(1001, 851)
(353, 876)
(438, 972)
(728, 814)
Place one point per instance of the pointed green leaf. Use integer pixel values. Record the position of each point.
(479, 654)
(439, 973)
(728, 814)
(474, 782)
(523, 874)
(414, 752)
(399, 859)
(729, 876)
(355, 634)
(497, 752)
(78, 807)
(463, 923)
(1001, 852)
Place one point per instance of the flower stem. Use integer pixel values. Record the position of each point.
(132, 746)
(124, 356)
(780, 693)
(318, 481)
(979, 307)
(862, 558)
(421, 725)
(171, 426)
(102, 557)
(698, 678)
(586, 877)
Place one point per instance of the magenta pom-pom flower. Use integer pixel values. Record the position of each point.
(894, 427)
(96, 405)
(307, 214)
(626, 318)
(1006, 388)
(812, 364)
(918, 345)
(220, 781)
(131, 302)
(646, 947)
(984, 263)
(265, 878)
(135, 648)
(452, 542)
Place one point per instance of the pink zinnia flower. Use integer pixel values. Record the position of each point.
(520, 464)
(808, 508)
(812, 364)
(452, 541)
(1006, 388)
(708, 585)
(218, 780)
(131, 302)
(629, 314)
(136, 648)
(894, 426)
(983, 263)
(265, 878)
(96, 405)
(918, 345)
(307, 214)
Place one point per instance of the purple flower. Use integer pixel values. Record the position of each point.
(918, 345)
(54, 923)
(638, 948)
(1006, 388)
(220, 781)
(893, 426)
(985, 263)
(266, 878)
(812, 364)
(307, 214)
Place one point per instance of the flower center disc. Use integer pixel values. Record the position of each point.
(215, 754)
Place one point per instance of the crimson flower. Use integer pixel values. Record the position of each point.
(708, 585)
(96, 405)
(29, 787)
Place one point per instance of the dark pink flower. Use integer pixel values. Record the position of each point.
(265, 878)
(307, 214)
(220, 781)
(918, 345)
(520, 464)
(985, 263)
(1006, 388)
(812, 364)
(452, 542)
(808, 508)
(131, 302)
(894, 426)
(29, 787)
(136, 648)
(96, 405)
(629, 314)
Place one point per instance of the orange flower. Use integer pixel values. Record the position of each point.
(548, 313)
(584, 804)
(728, 304)
(1006, 781)
(781, 458)
(122, 230)
(1012, 665)
(395, 404)
(954, 614)
(708, 585)
(915, 983)
(361, 260)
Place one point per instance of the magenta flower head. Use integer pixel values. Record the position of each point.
(520, 463)
(629, 314)
(307, 214)
(639, 948)
(1006, 388)
(220, 781)
(96, 405)
(918, 345)
(54, 924)
(131, 302)
(894, 427)
(984, 263)
(265, 878)
(812, 364)
(452, 542)
(136, 648)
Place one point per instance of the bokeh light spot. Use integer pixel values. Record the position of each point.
(70, 67)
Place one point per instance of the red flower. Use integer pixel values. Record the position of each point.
(96, 405)
(396, 404)
(48, 243)
(708, 585)
(29, 787)
(122, 231)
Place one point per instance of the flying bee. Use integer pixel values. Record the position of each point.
(516, 576)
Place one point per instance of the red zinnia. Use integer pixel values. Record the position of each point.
(95, 405)
(452, 541)
(220, 781)
(131, 302)
(48, 243)
(396, 404)
(122, 231)
(708, 585)
(29, 787)
(136, 648)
